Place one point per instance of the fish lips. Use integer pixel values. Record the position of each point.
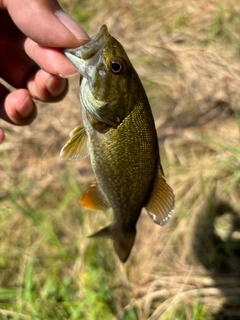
(89, 54)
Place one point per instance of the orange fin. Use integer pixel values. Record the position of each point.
(122, 242)
(94, 199)
(161, 202)
(76, 147)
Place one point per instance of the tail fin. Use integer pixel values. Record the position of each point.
(122, 242)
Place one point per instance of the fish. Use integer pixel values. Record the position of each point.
(119, 135)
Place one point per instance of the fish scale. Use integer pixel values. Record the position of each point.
(118, 133)
(135, 153)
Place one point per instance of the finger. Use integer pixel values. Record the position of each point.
(2, 135)
(17, 107)
(13, 45)
(22, 72)
(46, 87)
(52, 60)
(15, 66)
(49, 25)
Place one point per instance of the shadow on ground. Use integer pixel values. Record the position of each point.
(216, 246)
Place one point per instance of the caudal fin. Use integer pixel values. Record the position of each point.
(122, 242)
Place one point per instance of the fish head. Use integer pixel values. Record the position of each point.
(105, 65)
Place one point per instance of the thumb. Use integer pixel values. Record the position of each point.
(45, 22)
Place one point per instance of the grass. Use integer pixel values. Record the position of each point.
(188, 60)
(40, 281)
(195, 311)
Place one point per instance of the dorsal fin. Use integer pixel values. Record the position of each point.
(161, 202)
(76, 147)
(94, 199)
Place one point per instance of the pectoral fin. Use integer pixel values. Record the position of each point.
(76, 147)
(161, 203)
(94, 199)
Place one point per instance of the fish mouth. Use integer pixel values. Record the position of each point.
(89, 50)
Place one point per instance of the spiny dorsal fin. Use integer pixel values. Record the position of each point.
(94, 199)
(161, 203)
(76, 147)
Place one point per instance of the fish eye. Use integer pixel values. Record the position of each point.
(117, 66)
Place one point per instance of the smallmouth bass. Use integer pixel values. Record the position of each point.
(119, 134)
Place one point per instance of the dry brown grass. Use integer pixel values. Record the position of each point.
(186, 52)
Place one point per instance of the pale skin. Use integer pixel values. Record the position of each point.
(31, 35)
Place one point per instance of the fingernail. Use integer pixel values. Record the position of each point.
(66, 76)
(25, 108)
(72, 26)
(55, 88)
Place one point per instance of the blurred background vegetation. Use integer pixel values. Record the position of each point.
(187, 54)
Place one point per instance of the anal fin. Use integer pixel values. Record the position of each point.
(94, 199)
(161, 203)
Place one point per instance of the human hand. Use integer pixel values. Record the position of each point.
(31, 35)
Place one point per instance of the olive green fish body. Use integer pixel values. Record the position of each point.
(119, 133)
(125, 163)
